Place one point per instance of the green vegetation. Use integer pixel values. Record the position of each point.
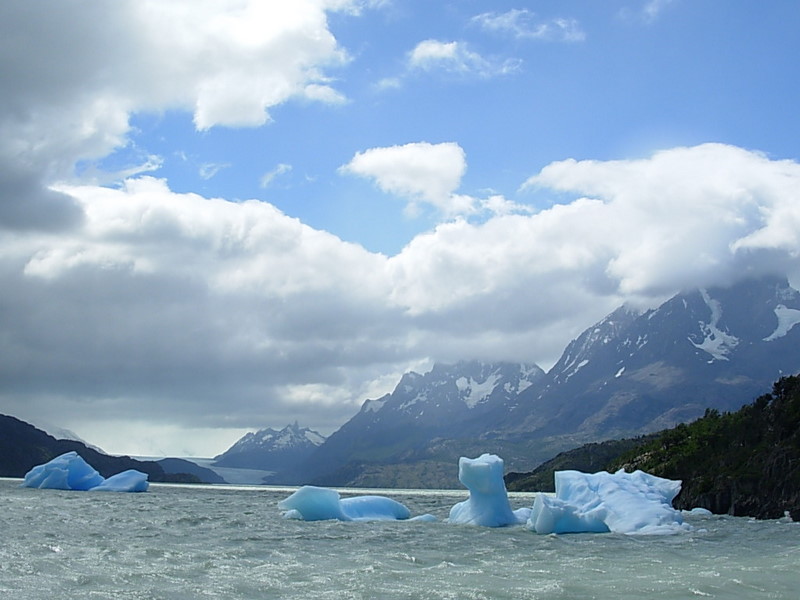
(742, 463)
(588, 458)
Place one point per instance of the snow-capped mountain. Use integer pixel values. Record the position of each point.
(630, 373)
(270, 449)
(453, 395)
(449, 402)
(633, 372)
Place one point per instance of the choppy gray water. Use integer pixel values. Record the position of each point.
(217, 542)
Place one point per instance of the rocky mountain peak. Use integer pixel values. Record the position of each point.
(270, 448)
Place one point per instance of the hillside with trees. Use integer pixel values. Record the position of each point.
(745, 462)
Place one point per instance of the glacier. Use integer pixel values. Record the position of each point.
(70, 472)
(312, 503)
(628, 503)
(488, 503)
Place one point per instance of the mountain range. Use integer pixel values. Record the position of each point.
(631, 373)
(271, 449)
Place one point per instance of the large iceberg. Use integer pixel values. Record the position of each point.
(311, 503)
(70, 472)
(488, 499)
(630, 503)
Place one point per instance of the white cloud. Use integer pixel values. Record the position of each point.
(219, 314)
(653, 8)
(689, 216)
(269, 176)
(523, 24)
(227, 62)
(209, 170)
(457, 58)
(324, 93)
(419, 172)
(389, 83)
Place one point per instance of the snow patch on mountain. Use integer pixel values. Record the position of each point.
(477, 391)
(420, 397)
(787, 318)
(256, 449)
(717, 343)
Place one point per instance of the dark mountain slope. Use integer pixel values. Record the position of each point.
(22, 447)
(270, 449)
(428, 417)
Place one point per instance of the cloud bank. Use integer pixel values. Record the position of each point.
(214, 313)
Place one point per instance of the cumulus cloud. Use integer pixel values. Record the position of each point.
(173, 296)
(427, 173)
(219, 314)
(419, 171)
(73, 73)
(523, 24)
(689, 216)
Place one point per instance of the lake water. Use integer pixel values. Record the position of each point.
(191, 542)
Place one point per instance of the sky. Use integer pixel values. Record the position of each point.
(219, 216)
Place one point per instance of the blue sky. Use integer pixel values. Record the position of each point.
(221, 216)
(584, 80)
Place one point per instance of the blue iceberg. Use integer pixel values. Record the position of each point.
(629, 503)
(126, 481)
(70, 472)
(488, 504)
(311, 503)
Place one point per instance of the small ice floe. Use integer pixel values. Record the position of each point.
(698, 512)
(311, 503)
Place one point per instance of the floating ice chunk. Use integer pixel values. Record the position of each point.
(311, 503)
(488, 499)
(70, 472)
(66, 472)
(426, 518)
(698, 512)
(631, 503)
(127, 481)
(374, 508)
